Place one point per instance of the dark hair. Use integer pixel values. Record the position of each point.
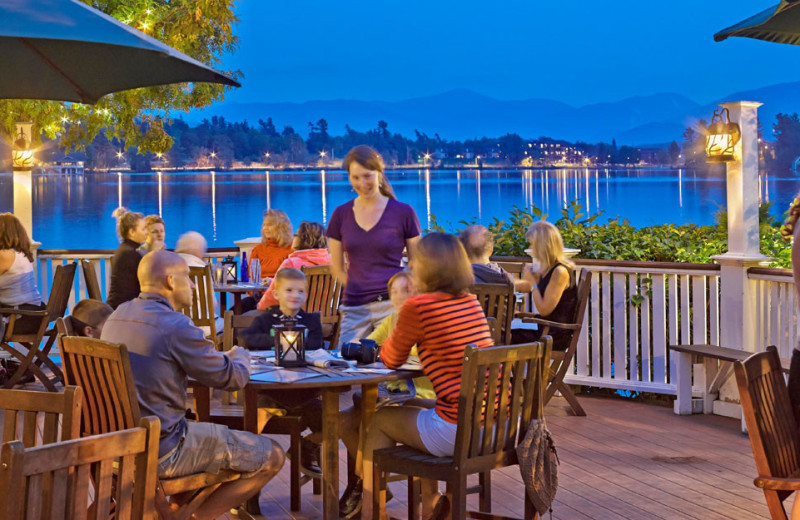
(126, 221)
(440, 264)
(477, 240)
(311, 235)
(13, 235)
(369, 158)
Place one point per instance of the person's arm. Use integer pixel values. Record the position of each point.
(411, 245)
(382, 331)
(559, 281)
(201, 361)
(796, 258)
(338, 263)
(407, 333)
(258, 336)
(268, 299)
(6, 259)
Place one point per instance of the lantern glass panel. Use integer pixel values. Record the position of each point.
(290, 344)
(720, 147)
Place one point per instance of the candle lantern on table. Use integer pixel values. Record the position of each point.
(290, 344)
(228, 269)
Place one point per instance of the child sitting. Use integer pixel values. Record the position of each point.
(291, 290)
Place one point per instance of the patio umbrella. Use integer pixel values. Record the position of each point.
(65, 50)
(780, 24)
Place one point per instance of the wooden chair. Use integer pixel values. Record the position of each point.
(103, 370)
(57, 303)
(771, 426)
(57, 480)
(65, 326)
(58, 414)
(233, 417)
(202, 310)
(28, 341)
(562, 361)
(90, 278)
(481, 444)
(498, 302)
(324, 294)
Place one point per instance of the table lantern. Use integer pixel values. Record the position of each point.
(229, 269)
(290, 344)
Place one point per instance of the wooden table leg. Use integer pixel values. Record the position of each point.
(223, 301)
(251, 425)
(202, 401)
(330, 453)
(237, 303)
(369, 400)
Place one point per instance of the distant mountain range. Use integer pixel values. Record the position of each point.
(463, 114)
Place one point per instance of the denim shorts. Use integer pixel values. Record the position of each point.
(209, 448)
(438, 435)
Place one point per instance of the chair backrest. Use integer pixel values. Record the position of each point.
(768, 414)
(90, 278)
(324, 292)
(233, 323)
(60, 290)
(45, 409)
(59, 480)
(502, 390)
(65, 326)
(103, 370)
(498, 301)
(202, 309)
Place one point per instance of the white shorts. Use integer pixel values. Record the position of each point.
(438, 435)
(358, 321)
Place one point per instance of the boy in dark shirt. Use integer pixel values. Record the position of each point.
(291, 288)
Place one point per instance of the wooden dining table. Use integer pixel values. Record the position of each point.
(331, 383)
(238, 289)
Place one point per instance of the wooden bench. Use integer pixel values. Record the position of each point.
(718, 367)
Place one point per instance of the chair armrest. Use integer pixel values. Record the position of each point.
(8, 312)
(527, 317)
(777, 484)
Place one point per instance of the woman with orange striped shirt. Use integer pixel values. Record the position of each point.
(441, 320)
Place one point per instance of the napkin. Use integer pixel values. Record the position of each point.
(321, 358)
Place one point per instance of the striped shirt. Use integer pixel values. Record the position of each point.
(441, 325)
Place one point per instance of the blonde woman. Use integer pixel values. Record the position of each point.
(551, 280)
(276, 242)
(125, 262)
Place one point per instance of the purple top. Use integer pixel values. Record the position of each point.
(373, 256)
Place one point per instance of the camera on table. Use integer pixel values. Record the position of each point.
(363, 351)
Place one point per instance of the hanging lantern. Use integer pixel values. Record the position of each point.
(721, 138)
(229, 269)
(22, 153)
(290, 344)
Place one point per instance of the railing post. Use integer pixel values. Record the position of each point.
(737, 294)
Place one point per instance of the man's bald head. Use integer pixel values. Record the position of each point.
(478, 242)
(156, 266)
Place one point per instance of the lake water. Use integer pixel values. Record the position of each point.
(75, 212)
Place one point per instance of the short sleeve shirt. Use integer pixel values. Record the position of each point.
(376, 255)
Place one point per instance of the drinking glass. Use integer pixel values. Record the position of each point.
(218, 273)
(255, 271)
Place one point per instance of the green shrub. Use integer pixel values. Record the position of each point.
(617, 239)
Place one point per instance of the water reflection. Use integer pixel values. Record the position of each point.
(428, 196)
(268, 198)
(160, 195)
(478, 187)
(214, 204)
(119, 189)
(324, 201)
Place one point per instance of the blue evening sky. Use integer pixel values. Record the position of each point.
(577, 52)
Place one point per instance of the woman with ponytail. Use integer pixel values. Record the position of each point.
(125, 263)
(372, 230)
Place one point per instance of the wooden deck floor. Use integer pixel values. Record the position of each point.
(624, 461)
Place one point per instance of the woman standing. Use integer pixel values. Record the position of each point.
(551, 278)
(125, 263)
(17, 281)
(372, 230)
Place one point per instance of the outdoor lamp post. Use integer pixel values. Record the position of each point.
(722, 136)
(22, 164)
(290, 348)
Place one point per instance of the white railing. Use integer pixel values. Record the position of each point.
(48, 260)
(635, 310)
(776, 311)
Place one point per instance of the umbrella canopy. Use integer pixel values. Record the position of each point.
(65, 50)
(780, 24)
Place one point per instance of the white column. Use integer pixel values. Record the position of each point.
(23, 199)
(737, 298)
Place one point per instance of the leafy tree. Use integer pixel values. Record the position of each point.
(787, 143)
(136, 118)
(674, 152)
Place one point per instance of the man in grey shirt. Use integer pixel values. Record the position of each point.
(478, 242)
(166, 348)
